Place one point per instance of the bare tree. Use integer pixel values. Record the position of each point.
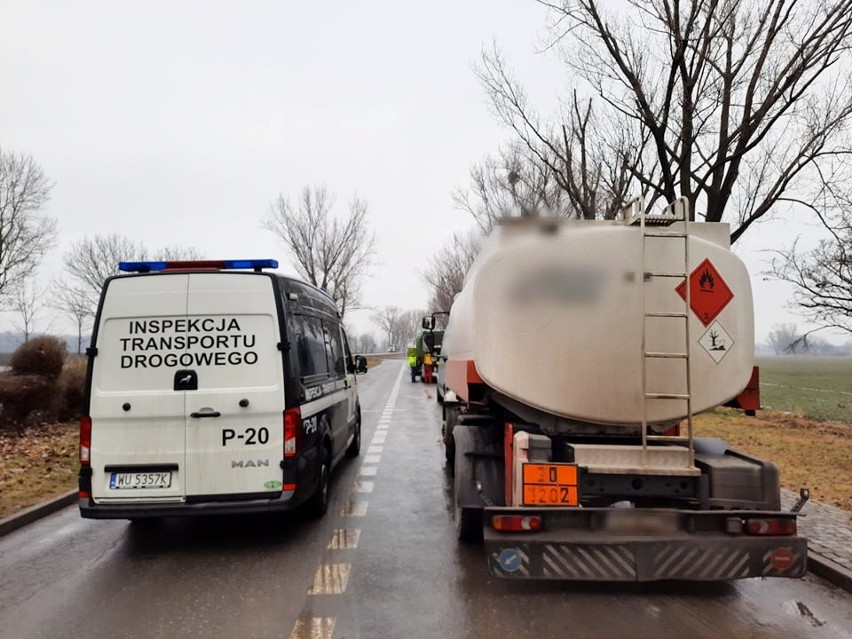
(784, 339)
(73, 300)
(736, 105)
(512, 183)
(175, 253)
(367, 343)
(390, 319)
(330, 253)
(91, 260)
(29, 303)
(26, 235)
(411, 324)
(822, 276)
(448, 267)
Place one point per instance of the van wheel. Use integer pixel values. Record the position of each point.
(317, 505)
(355, 447)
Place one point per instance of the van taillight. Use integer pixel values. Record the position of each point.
(292, 431)
(85, 440)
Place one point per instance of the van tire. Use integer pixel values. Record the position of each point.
(317, 504)
(355, 447)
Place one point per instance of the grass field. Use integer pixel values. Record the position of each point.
(37, 464)
(808, 453)
(815, 387)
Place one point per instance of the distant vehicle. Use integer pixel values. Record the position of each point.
(214, 387)
(423, 357)
(577, 353)
(392, 349)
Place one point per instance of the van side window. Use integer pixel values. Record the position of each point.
(334, 348)
(346, 352)
(310, 345)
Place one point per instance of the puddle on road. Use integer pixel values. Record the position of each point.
(801, 609)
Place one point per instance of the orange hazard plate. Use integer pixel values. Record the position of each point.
(550, 485)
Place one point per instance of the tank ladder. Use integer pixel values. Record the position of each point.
(656, 226)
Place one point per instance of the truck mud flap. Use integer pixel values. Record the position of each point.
(627, 544)
(481, 482)
(652, 560)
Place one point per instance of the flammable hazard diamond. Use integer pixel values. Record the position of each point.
(708, 292)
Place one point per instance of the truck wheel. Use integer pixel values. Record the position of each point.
(468, 521)
(355, 447)
(317, 505)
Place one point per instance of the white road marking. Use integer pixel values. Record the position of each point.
(331, 579)
(343, 539)
(355, 509)
(368, 471)
(363, 487)
(372, 459)
(375, 450)
(313, 628)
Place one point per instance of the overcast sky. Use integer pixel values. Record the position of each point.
(178, 122)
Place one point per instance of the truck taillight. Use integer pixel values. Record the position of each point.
(292, 431)
(516, 523)
(85, 440)
(770, 527)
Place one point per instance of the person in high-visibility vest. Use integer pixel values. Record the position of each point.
(412, 362)
(427, 367)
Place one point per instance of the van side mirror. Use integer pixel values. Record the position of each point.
(428, 323)
(360, 364)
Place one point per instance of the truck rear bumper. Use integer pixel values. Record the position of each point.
(604, 555)
(151, 509)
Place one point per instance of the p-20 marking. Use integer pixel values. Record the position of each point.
(248, 436)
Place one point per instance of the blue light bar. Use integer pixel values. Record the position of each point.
(184, 265)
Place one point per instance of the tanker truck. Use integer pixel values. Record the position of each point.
(576, 355)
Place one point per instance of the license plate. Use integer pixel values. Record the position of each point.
(550, 485)
(140, 481)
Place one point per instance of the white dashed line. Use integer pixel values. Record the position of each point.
(343, 539)
(363, 487)
(331, 579)
(355, 509)
(313, 628)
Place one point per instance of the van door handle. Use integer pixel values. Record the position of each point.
(214, 413)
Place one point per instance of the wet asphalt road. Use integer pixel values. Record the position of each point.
(382, 564)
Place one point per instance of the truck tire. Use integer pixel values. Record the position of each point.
(468, 520)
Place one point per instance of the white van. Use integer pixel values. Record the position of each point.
(214, 387)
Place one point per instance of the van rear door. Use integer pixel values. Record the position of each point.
(138, 420)
(234, 415)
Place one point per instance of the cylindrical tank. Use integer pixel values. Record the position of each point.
(552, 314)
